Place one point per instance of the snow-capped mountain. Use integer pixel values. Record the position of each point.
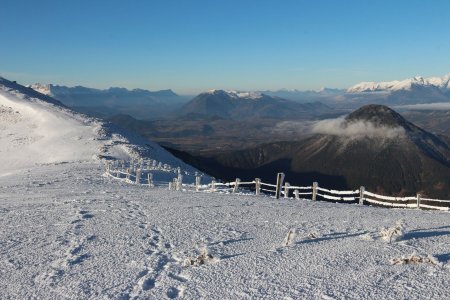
(36, 129)
(441, 83)
(237, 94)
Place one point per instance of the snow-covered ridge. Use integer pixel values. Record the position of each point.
(441, 83)
(237, 94)
(35, 129)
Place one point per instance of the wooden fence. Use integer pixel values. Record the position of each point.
(141, 173)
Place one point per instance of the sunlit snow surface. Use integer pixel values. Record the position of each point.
(69, 233)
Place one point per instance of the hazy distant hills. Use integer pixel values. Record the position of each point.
(239, 105)
(140, 103)
(84, 96)
(373, 146)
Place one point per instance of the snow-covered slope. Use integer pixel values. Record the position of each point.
(35, 130)
(441, 83)
(69, 234)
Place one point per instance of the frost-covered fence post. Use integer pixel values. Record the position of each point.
(128, 174)
(296, 194)
(179, 182)
(257, 186)
(361, 195)
(286, 189)
(418, 200)
(174, 183)
(170, 185)
(197, 181)
(138, 176)
(150, 179)
(280, 179)
(236, 185)
(213, 186)
(314, 190)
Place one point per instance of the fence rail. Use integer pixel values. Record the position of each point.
(142, 174)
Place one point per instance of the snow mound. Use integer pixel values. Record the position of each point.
(36, 129)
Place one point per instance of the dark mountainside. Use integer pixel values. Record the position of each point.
(412, 161)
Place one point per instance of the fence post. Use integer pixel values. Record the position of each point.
(138, 176)
(174, 184)
(198, 179)
(257, 186)
(170, 185)
(314, 190)
(286, 190)
(280, 179)
(179, 182)
(418, 201)
(128, 174)
(296, 194)
(150, 179)
(361, 195)
(213, 186)
(236, 185)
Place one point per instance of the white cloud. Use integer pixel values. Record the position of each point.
(355, 129)
(428, 106)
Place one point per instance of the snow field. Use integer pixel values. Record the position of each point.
(69, 233)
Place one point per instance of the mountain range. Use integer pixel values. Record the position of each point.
(439, 83)
(414, 90)
(239, 105)
(140, 103)
(152, 105)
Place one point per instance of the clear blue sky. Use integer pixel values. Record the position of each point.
(195, 45)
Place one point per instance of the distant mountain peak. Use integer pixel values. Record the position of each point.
(378, 115)
(237, 94)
